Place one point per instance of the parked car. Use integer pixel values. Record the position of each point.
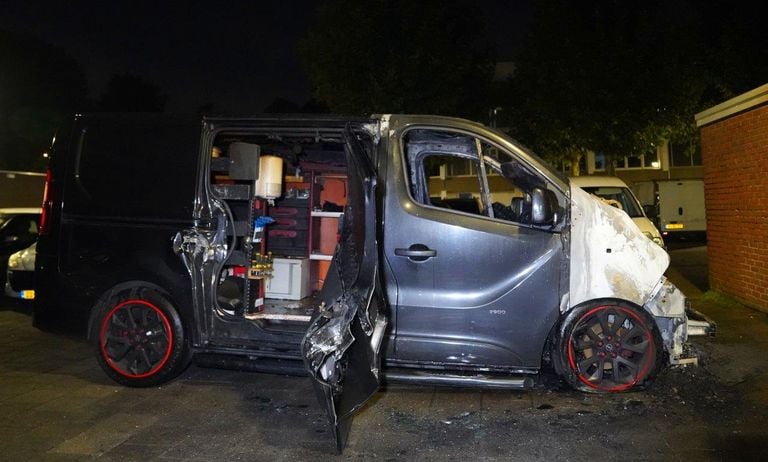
(18, 230)
(616, 192)
(20, 275)
(156, 230)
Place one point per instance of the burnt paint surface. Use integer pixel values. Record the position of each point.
(610, 256)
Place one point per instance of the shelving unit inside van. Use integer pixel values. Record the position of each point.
(329, 197)
(266, 277)
(288, 240)
(317, 251)
(273, 272)
(244, 207)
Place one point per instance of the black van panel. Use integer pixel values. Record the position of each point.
(122, 187)
(134, 169)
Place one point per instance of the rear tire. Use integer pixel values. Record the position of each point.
(608, 347)
(138, 337)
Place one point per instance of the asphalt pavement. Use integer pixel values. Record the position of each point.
(689, 258)
(58, 405)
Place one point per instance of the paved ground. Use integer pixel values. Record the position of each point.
(56, 404)
(690, 259)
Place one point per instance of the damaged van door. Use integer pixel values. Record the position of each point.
(342, 346)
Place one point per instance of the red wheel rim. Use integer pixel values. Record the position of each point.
(136, 339)
(611, 349)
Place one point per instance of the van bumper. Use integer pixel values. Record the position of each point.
(677, 320)
(699, 323)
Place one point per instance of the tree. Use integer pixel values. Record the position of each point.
(399, 56)
(39, 86)
(611, 77)
(313, 106)
(735, 47)
(282, 106)
(131, 93)
(206, 108)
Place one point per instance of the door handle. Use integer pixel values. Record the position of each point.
(416, 252)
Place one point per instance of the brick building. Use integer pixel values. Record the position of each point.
(734, 144)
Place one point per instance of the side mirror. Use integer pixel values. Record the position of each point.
(543, 207)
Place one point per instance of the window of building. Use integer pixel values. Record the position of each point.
(685, 154)
(453, 166)
(564, 166)
(599, 162)
(649, 160)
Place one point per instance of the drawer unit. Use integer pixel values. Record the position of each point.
(294, 223)
(289, 234)
(287, 242)
(288, 212)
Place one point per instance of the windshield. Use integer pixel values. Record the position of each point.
(618, 197)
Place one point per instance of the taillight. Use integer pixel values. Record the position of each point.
(47, 205)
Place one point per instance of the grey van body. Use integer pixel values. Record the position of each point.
(142, 239)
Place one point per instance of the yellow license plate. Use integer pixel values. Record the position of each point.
(27, 294)
(674, 226)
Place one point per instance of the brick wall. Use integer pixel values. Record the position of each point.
(735, 157)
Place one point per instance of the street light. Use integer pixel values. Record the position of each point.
(493, 114)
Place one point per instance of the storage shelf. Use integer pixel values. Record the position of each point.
(232, 192)
(318, 213)
(320, 256)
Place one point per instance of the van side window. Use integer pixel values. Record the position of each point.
(445, 170)
(435, 168)
(135, 168)
(509, 185)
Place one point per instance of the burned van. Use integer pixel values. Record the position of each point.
(420, 249)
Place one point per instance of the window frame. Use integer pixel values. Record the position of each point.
(485, 200)
(692, 157)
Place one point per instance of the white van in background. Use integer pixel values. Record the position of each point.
(615, 192)
(679, 205)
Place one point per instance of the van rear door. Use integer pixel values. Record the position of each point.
(681, 206)
(341, 348)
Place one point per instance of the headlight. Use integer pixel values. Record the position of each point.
(656, 239)
(14, 262)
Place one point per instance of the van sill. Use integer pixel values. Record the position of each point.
(278, 317)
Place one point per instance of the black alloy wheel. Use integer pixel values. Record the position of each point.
(136, 339)
(139, 338)
(610, 348)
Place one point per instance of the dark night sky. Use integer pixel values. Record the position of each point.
(238, 55)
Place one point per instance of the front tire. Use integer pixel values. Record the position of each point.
(139, 338)
(608, 347)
